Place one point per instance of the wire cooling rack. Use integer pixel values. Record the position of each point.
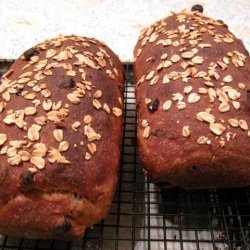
(144, 216)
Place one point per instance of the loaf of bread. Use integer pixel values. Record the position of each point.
(60, 133)
(193, 104)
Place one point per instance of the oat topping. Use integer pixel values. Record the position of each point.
(185, 131)
(217, 128)
(243, 124)
(216, 83)
(193, 98)
(166, 105)
(203, 140)
(117, 111)
(58, 134)
(3, 138)
(33, 132)
(41, 109)
(233, 122)
(146, 132)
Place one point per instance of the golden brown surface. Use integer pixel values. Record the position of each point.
(60, 133)
(193, 103)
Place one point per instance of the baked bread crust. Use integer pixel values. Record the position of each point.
(60, 134)
(193, 103)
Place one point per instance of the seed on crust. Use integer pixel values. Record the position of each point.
(234, 123)
(87, 119)
(204, 116)
(33, 132)
(203, 140)
(47, 104)
(106, 108)
(117, 111)
(203, 91)
(181, 105)
(17, 143)
(228, 39)
(241, 85)
(228, 79)
(209, 84)
(11, 151)
(41, 120)
(144, 123)
(75, 125)
(233, 94)
(146, 132)
(2, 106)
(98, 94)
(193, 98)
(6, 96)
(39, 162)
(23, 80)
(3, 138)
(164, 56)
(39, 150)
(198, 60)
(165, 79)
(58, 134)
(177, 97)
(175, 58)
(91, 134)
(187, 89)
(97, 104)
(236, 105)
(150, 75)
(91, 147)
(50, 53)
(30, 96)
(87, 156)
(30, 111)
(185, 131)
(217, 128)
(243, 125)
(25, 156)
(71, 73)
(73, 98)
(15, 160)
(224, 107)
(205, 45)
(63, 146)
(222, 95)
(166, 105)
(154, 80)
(187, 55)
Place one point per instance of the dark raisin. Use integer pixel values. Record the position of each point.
(66, 83)
(26, 179)
(194, 167)
(220, 21)
(153, 106)
(19, 92)
(64, 227)
(30, 53)
(158, 132)
(60, 168)
(197, 7)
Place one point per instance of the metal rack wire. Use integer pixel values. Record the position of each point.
(144, 216)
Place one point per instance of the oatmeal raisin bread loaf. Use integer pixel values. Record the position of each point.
(60, 132)
(193, 103)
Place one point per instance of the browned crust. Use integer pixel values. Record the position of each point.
(64, 198)
(166, 154)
